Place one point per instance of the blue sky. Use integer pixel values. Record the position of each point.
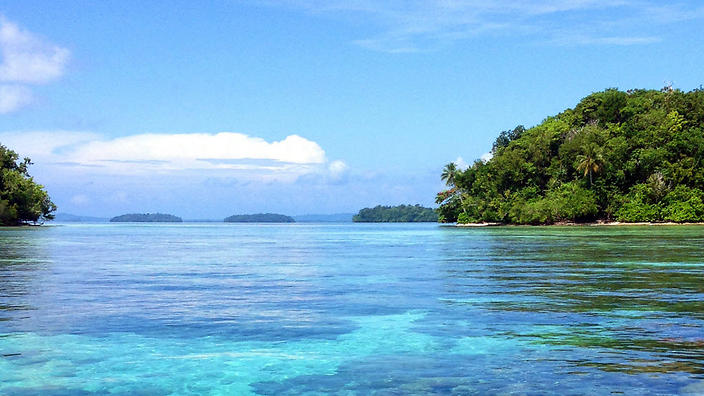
(205, 109)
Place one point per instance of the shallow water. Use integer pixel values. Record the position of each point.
(351, 309)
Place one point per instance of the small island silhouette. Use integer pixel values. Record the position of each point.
(396, 214)
(146, 218)
(260, 218)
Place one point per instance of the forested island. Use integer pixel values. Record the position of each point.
(633, 156)
(396, 214)
(260, 218)
(146, 218)
(22, 201)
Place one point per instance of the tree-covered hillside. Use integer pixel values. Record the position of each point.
(21, 199)
(396, 214)
(631, 156)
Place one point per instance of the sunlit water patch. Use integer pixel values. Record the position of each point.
(350, 309)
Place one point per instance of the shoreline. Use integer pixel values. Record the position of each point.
(591, 224)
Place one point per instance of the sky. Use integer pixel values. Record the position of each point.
(207, 109)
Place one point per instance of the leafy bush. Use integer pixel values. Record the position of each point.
(638, 211)
(530, 212)
(684, 204)
(464, 218)
(570, 202)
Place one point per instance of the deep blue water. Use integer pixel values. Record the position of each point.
(351, 309)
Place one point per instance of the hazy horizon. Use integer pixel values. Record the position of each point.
(60, 214)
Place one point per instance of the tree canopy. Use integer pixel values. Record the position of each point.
(632, 156)
(22, 201)
(396, 214)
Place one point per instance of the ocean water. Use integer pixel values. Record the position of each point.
(346, 309)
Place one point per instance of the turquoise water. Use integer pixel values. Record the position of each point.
(350, 309)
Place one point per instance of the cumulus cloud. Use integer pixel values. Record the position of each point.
(486, 157)
(461, 163)
(26, 59)
(338, 172)
(179, 148)
(240, 155)
(337, 168)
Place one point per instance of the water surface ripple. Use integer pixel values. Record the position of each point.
(351, 309)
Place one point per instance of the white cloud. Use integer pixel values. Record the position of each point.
(337, 167)
(179, 148)
(337, 170)
(461, 163)
(236, 154)
(486, 157)
(26, 59)
(44, 144)
(616, 40)
(13, 97)
(417, 25)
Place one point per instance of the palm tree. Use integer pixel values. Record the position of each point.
(591, 161)
(448, 174)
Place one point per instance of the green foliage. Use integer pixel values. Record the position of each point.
(639, 206)
(21, 199)
(260, 218)
(532, 212)
(396, 214)
(571, 202)
(507, 137)
(146, 218)
(632, 156)
(590, 160)
(450, 208)
(449, 173)
(463, 218)
(684, 204)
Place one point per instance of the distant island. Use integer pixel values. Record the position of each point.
(260, 218)
(146, 218)
(396, 214)
(634, 156)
